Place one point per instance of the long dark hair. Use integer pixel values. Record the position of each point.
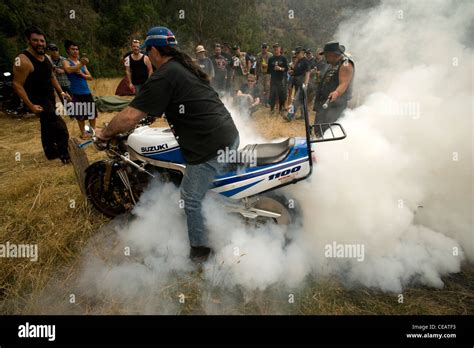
(184, 60)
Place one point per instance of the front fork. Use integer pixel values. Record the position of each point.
(122, 174)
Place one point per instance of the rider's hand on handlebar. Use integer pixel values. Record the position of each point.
(101, 142)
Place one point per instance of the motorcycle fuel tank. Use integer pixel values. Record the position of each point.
(156, 143)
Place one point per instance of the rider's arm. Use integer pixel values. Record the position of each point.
(20, 73)
(122, 122)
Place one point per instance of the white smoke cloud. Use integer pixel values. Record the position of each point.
(400, 184)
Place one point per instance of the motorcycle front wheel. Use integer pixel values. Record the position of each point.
(113, 200)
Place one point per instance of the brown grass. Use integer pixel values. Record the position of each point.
(36, 194)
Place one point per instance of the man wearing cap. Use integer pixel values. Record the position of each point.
(204, 62)
(335, 89)
(300, 73)
(58, 68)
(277, 68)
(197, 117)
(262, 72)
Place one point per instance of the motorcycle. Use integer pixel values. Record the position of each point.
(10, 103)
(114, 185)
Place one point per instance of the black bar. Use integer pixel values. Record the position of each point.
(223, 330)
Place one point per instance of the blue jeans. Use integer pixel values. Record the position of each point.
(196, 182)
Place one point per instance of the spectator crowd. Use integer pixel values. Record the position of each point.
(272, 78)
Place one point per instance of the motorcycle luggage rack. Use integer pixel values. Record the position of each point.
(323, 127)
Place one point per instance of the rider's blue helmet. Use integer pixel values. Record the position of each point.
(159, 36)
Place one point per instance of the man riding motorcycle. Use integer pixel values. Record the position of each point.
(199, 120)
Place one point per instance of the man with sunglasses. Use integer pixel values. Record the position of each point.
(248, 96)
(200, 122)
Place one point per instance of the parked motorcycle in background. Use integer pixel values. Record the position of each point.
(10, 103)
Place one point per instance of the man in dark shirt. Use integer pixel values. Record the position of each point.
(137, 67)
(277, 68)
(199, 120)
(34, 82)
(335, 89)
(313, 73)
(300, 73)
(227, 54)
(248, 96)
(220, 69)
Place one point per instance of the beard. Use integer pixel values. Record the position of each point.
(39, 50)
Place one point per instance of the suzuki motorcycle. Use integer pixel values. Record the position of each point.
(114, 185)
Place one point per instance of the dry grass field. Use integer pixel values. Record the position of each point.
(41, 203)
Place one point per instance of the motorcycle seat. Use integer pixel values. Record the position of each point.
(269, 153)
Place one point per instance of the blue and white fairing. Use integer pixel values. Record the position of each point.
(249, 181)
(159, 144)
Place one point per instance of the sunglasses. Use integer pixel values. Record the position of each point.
(251, 80)
(136, 41)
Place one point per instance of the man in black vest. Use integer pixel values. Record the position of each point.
(34, 82)
(335, 89)
(137, 67)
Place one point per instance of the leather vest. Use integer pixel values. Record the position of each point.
(330, 81)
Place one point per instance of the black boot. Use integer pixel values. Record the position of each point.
(199, 254)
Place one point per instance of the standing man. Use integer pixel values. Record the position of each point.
(321, 64)
(226, 53)
(313, 74)
(58, 68)
(34, 82)
(83, 103)
(220, 64)
(137, 67)
(277, 68)
(335, 86)
(300, 74)
(204, 62)
(200, 122)
(262, 72)
(241, 68)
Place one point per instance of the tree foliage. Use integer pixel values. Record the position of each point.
(104, 28)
